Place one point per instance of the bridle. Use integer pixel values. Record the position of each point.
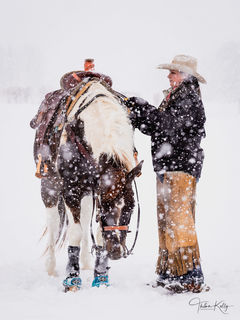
(127, 251)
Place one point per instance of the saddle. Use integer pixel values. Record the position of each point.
(53, 112)
(52, 115)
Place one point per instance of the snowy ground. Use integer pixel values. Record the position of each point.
(26, 292)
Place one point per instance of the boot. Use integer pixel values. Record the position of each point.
(73, 281)
(73, 261)
(101, 268)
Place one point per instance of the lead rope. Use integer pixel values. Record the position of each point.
(128, 252)
(91, 230)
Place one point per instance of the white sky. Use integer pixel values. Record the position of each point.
(126, 38)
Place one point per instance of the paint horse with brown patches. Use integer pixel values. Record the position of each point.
(94, 163)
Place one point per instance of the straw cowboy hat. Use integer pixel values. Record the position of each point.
(183, 63)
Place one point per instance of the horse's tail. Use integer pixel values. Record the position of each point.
(63, 223)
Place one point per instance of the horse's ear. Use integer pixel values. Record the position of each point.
(134, 172)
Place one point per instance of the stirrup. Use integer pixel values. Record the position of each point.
(100, 280)
(72, 284)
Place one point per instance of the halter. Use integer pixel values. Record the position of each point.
(113, 228)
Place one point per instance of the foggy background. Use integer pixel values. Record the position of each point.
(42, 40)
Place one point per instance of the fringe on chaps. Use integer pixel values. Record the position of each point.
(178, 245)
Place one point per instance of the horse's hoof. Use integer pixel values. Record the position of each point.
(53, 273)
(100, 281)
(72, 289)
(72, 284)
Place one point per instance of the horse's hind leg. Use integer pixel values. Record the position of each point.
(53, 229)
(74, 239)
(85, 219)
(50, 196)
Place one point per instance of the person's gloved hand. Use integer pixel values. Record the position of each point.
(132, 102)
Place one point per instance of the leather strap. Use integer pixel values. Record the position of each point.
(81, 148)
(78, 95)
(82, 108)
(111, 228)
(38, 172)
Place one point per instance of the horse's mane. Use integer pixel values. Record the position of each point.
(106, 124)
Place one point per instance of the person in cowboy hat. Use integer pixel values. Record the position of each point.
(176, 128)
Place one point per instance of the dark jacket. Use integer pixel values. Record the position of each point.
(176, 128)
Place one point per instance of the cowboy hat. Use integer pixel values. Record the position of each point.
(184, 63)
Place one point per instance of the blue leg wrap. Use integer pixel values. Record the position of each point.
(100, 280)
(69, 283)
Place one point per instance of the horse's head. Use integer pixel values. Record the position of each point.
(116, 206)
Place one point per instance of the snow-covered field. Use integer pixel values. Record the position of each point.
(26, 292)
(42, 40)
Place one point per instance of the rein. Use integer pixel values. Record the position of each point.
(78, 95)
(138, 223)
(87, 104)
(94, 246)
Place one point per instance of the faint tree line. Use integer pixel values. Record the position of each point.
(21, 74)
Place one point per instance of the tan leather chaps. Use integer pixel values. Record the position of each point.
(178, 245)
